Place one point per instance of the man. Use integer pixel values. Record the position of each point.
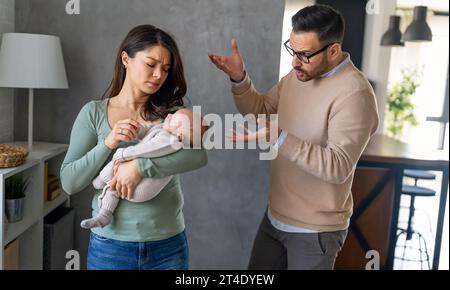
(327, 113)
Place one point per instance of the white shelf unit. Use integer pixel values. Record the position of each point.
(30, 230)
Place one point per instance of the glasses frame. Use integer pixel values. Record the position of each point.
(301, 55)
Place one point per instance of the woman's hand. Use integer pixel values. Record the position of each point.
(124, 130)
(126, 178)
(232, 65)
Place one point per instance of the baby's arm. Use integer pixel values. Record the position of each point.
(156, 144)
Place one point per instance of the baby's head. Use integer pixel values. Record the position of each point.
(187, 126)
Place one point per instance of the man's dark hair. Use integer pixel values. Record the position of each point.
(324, 20)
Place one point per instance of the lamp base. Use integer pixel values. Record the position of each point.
(30, 118)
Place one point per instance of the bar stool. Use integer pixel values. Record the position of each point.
(413, 192)
(418, 174)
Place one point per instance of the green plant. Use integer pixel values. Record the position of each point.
(16, 186)
(400, 109)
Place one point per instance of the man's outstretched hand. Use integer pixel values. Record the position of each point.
(268, 133)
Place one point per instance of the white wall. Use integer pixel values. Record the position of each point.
(376, 58)
(6, 95)
(292, 7)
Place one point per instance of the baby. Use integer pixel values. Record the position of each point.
(155, 141)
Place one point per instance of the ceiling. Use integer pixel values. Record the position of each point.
(434, 5)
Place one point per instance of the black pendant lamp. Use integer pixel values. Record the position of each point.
(418, 30)
(393, 36)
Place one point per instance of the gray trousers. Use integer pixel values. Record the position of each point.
(277, 250)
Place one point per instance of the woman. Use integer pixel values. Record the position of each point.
(148, 83)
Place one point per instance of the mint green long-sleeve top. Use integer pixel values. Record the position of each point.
(156, 219)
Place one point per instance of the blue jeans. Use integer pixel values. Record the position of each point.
(109, 254)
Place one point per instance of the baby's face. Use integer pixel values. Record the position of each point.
(179, 124)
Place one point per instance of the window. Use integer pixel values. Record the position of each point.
(432, 59)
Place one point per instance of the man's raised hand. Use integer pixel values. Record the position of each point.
(232, 65)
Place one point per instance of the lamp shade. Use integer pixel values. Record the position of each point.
(418, 30)
(32, 61)
(393, 36)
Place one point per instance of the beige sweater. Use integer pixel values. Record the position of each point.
(329, 123)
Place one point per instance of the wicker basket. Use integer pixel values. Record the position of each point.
(12, 155)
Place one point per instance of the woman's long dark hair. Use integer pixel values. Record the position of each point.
(171, 93)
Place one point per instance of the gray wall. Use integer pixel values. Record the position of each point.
(6, 95)
(225, 200)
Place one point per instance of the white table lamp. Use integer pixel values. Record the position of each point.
(31, 61)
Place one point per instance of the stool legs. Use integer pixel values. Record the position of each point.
(409, 230)
(425, 252)
(423, 256)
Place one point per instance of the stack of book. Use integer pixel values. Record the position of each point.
(52, 187)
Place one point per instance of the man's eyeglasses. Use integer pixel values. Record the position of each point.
(303, 56)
